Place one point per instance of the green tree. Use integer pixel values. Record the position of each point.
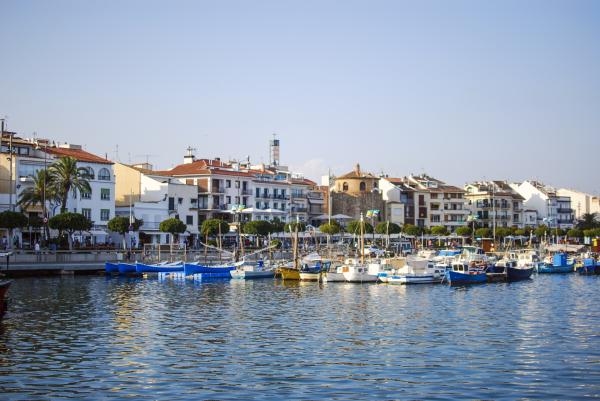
(542, 231)
(575, 233)
(172, 226)
(10, 220)
(503, 232)
(66, 176)
(258, 227)
(278, 226)
(463, 231)
(483, 232)
(210, 227)
(413, 230)
(521, 232)
(353, 227)
(439, 230)
(588, 221)
(332, 228)
(386, 227)
(120, 225)
(291, 227)
(70, 222)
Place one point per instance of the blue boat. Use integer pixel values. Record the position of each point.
(165, 268)
(125, 268)
(588, 266)
(190, 268)
(517, 273)
(111, 267)
(559, 265)
(461, 273)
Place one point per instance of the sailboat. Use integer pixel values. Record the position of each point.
(359, 272)
(292, 272)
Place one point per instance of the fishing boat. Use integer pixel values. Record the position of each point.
(333, 275)
(250, 273)
(291, 271)
(560, 264)
(126, 268)
(159, 268)
(191, 268)
(4, 286)
(511, 270)
(588, 266)
(359, 272)
(313, 273)
(462, 273)
(418, 271)
(111, 267)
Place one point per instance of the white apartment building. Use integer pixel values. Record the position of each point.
(581, 202)
(552, 209)
(495, 203)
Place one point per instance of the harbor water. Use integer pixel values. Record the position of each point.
(113, 338)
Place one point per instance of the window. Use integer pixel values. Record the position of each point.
(258, 205)
(189, 220)
(171, 203)
(228, 200)
(104, 174)
(104, 214)
(105, 193)
(258, 192)
(363, 186)
(433, 195)
(244, 185)
(87, 213)
(345, 187)
(88, 172)
(179, 201)
(86, 195)
(275, 205)
(228, 184)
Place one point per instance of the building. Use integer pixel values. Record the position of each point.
(154, 198)
(495, 203)
(355, 193)
(552, 209)
(424, 201)
(581, 202)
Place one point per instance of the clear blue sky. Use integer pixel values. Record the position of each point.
(459, 89)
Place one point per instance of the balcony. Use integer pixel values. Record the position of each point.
(564, 210)
(246, 192)
(299, 210)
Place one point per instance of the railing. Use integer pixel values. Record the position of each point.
(563, 210)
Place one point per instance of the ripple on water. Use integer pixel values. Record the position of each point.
(92, 337)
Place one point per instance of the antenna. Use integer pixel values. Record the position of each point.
(146, 156)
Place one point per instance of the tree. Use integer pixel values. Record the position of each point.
(278, 226)
(541, 231)
(575, 233)
(332, 228)
(66, 176)
(210, 227)
(410, 229)
(386, 227)
(172, 226)
(588, 221)
(120, 224)
(11, 220)
(463, 231)
(592, 232)
(483, 232)
(354, 227)
(560, 232)
(70, 222)
(291, 227)
(502, 232)
(439, 230)
(521, 232)
(258, 227)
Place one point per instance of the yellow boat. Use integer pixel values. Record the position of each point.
(289, 273)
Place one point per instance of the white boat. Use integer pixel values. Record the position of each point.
(333, 275)
(248, 272)
(358, 273)
(419, 271)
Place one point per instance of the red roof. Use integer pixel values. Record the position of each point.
(201, 167)
(79, 154)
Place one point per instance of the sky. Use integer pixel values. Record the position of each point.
(461, 90)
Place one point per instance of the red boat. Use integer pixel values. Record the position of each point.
(4, 286)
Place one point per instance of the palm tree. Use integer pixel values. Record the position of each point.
(66, 176)
(41, 192)
(588, 221)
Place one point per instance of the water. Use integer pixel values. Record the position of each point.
(101, 338)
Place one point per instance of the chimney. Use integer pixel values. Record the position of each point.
(357, 169)
(189, 157)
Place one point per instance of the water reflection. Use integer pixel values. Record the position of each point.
(91, 337)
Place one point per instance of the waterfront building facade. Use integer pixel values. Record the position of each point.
(495, 203)
(581, 202)
(552, 209)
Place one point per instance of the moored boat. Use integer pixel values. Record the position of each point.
(418, 271)
(191, 268)
(158, 268)
(358, 273)
(462, 273)
(111, 267)
(126, 268)
(588, 266)
(560, 264)
(333, 275)
(4, 286)
(249, 272)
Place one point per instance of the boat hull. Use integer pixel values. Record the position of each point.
(190, 269)
(111, 267)
(126, 268)
(310, 276)
(517, 274)
(414, 279)
(462, 278)
(4, 286)
(143, 268)
(357, 277)
(549, 269)
(288, 273)
(251, 275)
(332, 277)
(588, 270)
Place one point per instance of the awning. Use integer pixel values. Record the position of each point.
(341, 217)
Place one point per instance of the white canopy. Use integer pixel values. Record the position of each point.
(341, 217)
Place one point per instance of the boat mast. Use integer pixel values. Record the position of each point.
(362, 239)
(296, 243)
